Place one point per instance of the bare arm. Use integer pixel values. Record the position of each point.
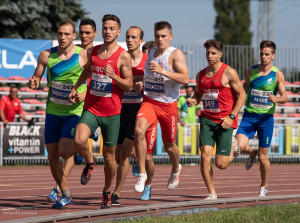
(4, 120)
(124, 65)
(281, 88)
(34, 81)
(179, 117)
(195, 100)
(181, 72)
(247, 83)
(22, 116)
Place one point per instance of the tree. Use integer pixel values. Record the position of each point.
(36, 19)
(233, 22)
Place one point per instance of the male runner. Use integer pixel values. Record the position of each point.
(64, 65)
(165, 70)
(87, 33)
(131, 104)
(219, 86)
(109, 73)
(262, 83)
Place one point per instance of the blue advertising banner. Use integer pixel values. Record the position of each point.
(18, 57)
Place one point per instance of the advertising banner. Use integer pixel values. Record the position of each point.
(18, 57)
(21, 140)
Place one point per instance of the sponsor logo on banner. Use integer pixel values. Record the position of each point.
(21, 140)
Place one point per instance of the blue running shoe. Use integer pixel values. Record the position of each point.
(94, 136)
(63, 201)
(77, 159)
(135, 168)
(146, 193)
(52, 197)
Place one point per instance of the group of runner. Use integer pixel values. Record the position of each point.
(126, 94)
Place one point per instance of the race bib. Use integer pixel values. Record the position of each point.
(132, 97)
(100, 85)
(154, 86)
(259, 99)
(60, 92)
(210, 100)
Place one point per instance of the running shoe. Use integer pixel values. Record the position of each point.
(250, 161)
(52, 197)
(63, 201)
(236, 149)
(146, 194)
(115, 200)
(211, 197)
(106, 200)
(77, 159)
(87, 172)
(263, 192)
(94, 136)
(174, 179)
(135, 168)
(139, 186)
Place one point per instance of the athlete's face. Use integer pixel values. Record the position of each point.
(133, 40)
(266, 56)
(65, 36)
(163, 38)
(213, 55)
(87, 35)
(110, 31)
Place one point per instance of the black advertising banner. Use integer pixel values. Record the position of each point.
(21, 140)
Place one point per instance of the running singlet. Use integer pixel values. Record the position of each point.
(103, 96)
(62, 75)
(218, 101)
(134, 97)
(258, 93)
(157, 86)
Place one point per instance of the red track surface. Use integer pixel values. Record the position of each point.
(23, 190)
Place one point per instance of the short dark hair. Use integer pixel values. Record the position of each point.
(67, 22)
(91, 22)
(162, 25)
(136, 27)
(148, 45)
(269, 44)
(111, 17)
(213, 43)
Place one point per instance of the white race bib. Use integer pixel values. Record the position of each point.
(100, 85)
(210, 100)
(154, 86)
(60, 92)
(260, 99)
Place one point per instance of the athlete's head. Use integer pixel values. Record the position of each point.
(87, 32)
(267, 52)
(134, 38)
(111, 28)
(162, 34)
(66, 34)
(148, 46)
(213, 51)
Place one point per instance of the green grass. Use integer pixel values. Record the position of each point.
(283, 213)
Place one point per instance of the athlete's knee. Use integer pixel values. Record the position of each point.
(139, 132)
(263, 158)
(221, 165)
(241, 143)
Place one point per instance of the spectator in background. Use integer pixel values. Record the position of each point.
(10, 105)
(187, 114)
(147, 47)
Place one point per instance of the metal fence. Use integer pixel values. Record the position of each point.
(243, 57)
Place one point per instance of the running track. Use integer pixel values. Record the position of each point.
(23, 190)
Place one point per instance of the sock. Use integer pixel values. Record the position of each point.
(66, 193)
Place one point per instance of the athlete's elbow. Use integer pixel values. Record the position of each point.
(129, 87)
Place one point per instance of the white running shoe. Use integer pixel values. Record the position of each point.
(211, 197)
(139, 186)
(174, 179)
(236, 149)
(263, 192)
(250, 161)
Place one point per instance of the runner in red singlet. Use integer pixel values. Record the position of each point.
(109, 73)
(222, 93)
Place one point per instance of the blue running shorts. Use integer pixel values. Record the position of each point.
(57, 127)
(262, 123)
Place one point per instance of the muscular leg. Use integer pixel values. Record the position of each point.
(173, 151)
(110, 166)
(222, 162)
(149, 169)
(264, 165)
(206, 153)
(125, 151)
(242, 141)
(140, 142)
(82, 133)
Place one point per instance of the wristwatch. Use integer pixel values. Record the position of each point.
(232, 116)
